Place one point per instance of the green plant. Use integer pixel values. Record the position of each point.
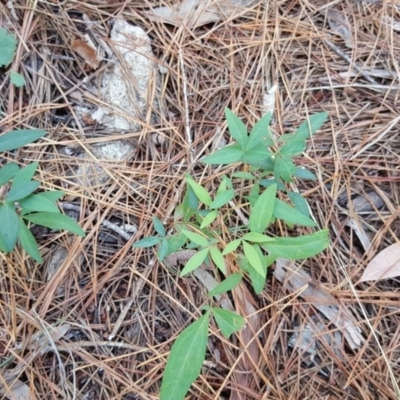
(19, 205)
(202, 228)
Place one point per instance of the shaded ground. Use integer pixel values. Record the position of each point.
(103, 287)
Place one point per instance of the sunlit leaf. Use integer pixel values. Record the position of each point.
(196, 238)
(226, 285)
(231, 246)
(218, 259)
(253, 258)
(257, 237)
(195, 261)
(222, 199)
(209, 218)
(228, 321)
(261, 213)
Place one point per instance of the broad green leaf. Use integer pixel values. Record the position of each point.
(28, 242)
(200, 192)
(303, 173)
(267, 164)
(55, 221)
(256, 156)
(287, 213)
(176, 242)
(146, 242)
(228, 321)
(227, 155)
(15, 139)
(253, 258)
(261, 213)
(299, 202)
(196, 238)
(231, 246)
(243, 175)
(8, 172)
(226, 285)
(222, 187)
(163, 250)
(209, 218)
(8, 46)
(260, 130)
(293, 147)
(237, 129)
(25, 174)
(222, 199)
(218, 259)
(3, 246)
(53, 195)
(268, 182)
(193, 201)
(17, 79)
(257, 280)
(284, 168)
(257, 237)
(195, 261)
(298, 248)
(185, 360)
(21, 190)
(9, 226)
(311, 125)
(158, 226)
(285, 138)
(38, 202)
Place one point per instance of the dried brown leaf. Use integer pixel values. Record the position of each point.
(384, 265)
(87, 52)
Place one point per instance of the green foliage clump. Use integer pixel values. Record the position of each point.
(269, 164)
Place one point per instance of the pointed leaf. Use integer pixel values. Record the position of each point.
(293, 147)
(289, 214)
(15, 139)
(176, 242)
(237, 128)
(8, 46)
(195, 261)
(232, 246)
(3, 246)
(200, 192)
(185, 360)
(260, 130)
(9, 226)
(226, 285)
(298, 248)
(303, 173)
(21, 190)
(227, 155)
(222, 199)
(253, 258)
(386, 264)
(228, 321)
(256, 155)
(261, 213)
(257, 280)
(196, 238)
(8, 172)
(209, 218)
(25, 174)
(218, 259)
(158, 226)
(284, 168)
(311, 125)
(146, 242)
(163, 250)
(257, 237)
(299, 202)
(53, 195)
(28, 242)
(38, 202)
(243, 175)
(55, 221)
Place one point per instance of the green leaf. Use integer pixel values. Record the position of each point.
(289, 214)
(8, 46)
(293, 147)
(185, 360)
(21, 190)
(218, 259)
(3, 246)
(222, 199)
(298, 248)
(196, 238)
(200, 192)
(38, 202)
(15, 139)
(256, 156)
(149, 241)
(261, 213)
(17, 79)
(253, 258)
(193, 201)
(209, 218)
(257, 280)
(303, 173)
(226, 285)
(227, 155)
(222, 187)
(158, 226)
(232, 246)
(243, 175)
(268, 182)
(284, 168)
(260, 130)
(53, 195)
(55, 221)
(311, 125)
(228, 321)
(163, 250)
(7, 172)
(25, 174)
(195, 261)
(176, 242)
(237, 128)
(28, 242)
(299, 202)
(257, 237)
(9, 226)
